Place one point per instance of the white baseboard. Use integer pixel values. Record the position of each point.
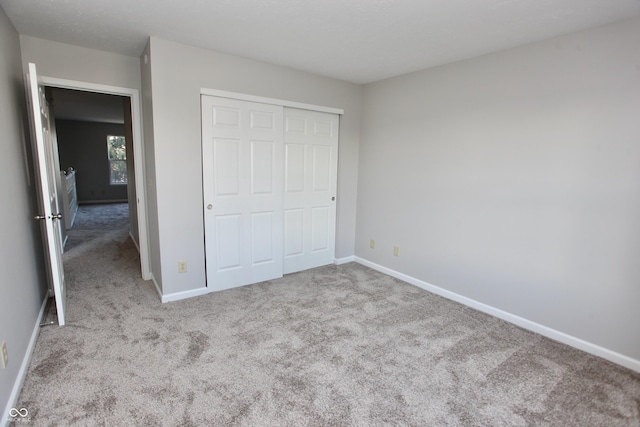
(22, 373)
(206, 290)
(572, 341)
(345, 260)
(176, 296)
(155, 284)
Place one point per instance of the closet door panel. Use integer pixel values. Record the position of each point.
(311, 162)
(243, 186)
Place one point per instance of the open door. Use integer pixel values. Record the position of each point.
(46, 171)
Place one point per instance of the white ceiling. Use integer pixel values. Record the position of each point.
(355, 40)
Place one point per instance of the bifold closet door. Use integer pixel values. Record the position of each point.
(311, 162)
(242, 154)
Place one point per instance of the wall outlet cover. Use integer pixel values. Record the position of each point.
(182, 266)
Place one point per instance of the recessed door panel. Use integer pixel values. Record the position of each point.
(295, 125)
(262, 167)
(319, 228)
(229, 241)
(226, 117)
(321, 167)
(323, 128)
(226, 166)
(262, 237)
(294, 168)
(262, 120)
(293, 232)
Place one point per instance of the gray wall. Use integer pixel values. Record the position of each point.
(83, 146)
(177, 73)
(69, 62)
(513, 179)
(24, 285)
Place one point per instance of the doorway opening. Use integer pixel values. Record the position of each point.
(95, 152)
(81, 108)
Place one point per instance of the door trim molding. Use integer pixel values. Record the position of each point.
(138, 153)
(274, 101)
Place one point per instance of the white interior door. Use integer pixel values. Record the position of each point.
(243, 188)
(311, 164)
(46, 172)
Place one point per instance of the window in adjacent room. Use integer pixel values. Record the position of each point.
(117, 152)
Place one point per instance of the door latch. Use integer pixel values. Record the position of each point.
(54, 216)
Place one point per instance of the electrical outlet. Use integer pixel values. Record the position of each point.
(372, 244)
(182, 266)
(5, 355)
(396, 251)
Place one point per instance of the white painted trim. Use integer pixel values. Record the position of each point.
(138, 152)
(24, 367)
(134, 242)
(176, 296)
(87, 86)
(273, 101)
(572, 341)
(345, 260)
(155, 284)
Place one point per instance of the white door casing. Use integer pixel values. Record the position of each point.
(311, 162)
(242, 154)
(46, 172)
(139, 163)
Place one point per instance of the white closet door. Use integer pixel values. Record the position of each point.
(242, 154)
(311, 162)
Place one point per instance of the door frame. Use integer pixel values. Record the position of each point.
(138, 153)
(273, 101)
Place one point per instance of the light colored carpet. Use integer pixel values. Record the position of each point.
(333, 346)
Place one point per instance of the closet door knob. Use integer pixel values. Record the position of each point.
(209, 206)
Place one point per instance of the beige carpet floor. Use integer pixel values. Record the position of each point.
(333, 346)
